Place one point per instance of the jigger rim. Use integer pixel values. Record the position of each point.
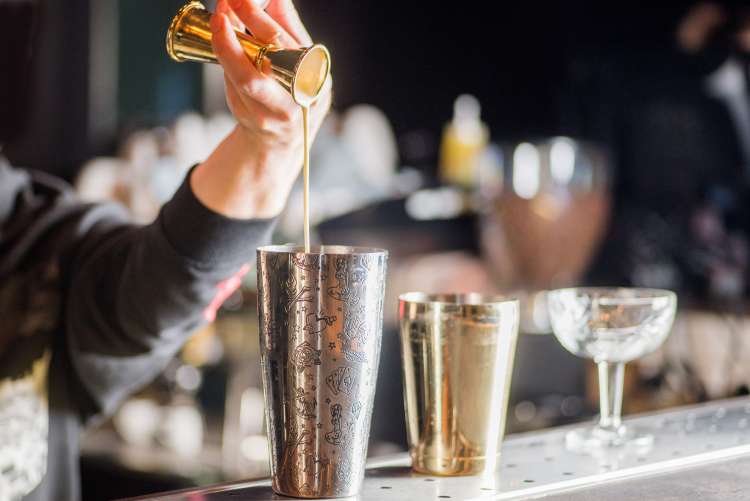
(331, 250)
(457, 298)
(308, 52)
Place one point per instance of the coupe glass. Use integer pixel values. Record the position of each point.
(612, 326)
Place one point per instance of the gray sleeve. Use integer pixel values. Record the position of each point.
(137, 293)
(11, 182)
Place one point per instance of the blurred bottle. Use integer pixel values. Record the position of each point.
(464, 141)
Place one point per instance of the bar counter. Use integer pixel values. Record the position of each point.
(700, 452)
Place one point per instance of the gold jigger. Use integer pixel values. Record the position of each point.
(302, 72)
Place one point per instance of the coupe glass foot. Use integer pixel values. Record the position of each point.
(583, 439)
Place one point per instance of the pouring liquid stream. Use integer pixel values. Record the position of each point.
(311, 77)
(306, 174)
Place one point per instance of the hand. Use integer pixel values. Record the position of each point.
(252, 172)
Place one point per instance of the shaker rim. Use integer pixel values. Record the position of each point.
(343, 250)
(456, 299)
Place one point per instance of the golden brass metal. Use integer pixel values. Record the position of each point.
(302, 72)
(458, 359)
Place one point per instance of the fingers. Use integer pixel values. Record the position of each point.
(222, 7)
(245, 109)
(261, 25)
(251, 85)
(284, 12)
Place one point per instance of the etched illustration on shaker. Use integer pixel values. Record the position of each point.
(321, 320)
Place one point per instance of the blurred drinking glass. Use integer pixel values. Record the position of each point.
(546, 208)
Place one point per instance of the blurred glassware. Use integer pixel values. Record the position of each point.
(546, 205)
(705, 358)
(612, 326)
(101, 180)
(244, 445)
(152, 163)
(181, 428)
(464, 139)
(137, 421)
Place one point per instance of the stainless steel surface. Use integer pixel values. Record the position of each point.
(321, 320)
(458, 359)
(724, 480)
(692, 444)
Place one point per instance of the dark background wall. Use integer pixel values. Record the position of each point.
(410, 58)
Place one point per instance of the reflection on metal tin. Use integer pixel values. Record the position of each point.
(321, 318)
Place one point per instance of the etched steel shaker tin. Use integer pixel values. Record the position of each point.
(321, 319)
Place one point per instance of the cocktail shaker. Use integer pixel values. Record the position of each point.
(321, 319)
(458, 359)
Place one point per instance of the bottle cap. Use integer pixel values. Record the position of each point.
(466, 108)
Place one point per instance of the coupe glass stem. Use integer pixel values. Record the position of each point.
(611, 380)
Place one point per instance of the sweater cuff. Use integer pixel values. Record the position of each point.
(207, 237)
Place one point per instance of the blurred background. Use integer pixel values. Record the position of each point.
(509, 149)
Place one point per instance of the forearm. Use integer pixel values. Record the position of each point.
(243, 180)
(136, 293)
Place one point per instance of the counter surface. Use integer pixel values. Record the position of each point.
(700, 452)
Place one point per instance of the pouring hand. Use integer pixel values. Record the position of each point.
(251, 173)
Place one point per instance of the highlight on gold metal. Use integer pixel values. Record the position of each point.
(259, 58)
(302, 72)
(458, 352)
